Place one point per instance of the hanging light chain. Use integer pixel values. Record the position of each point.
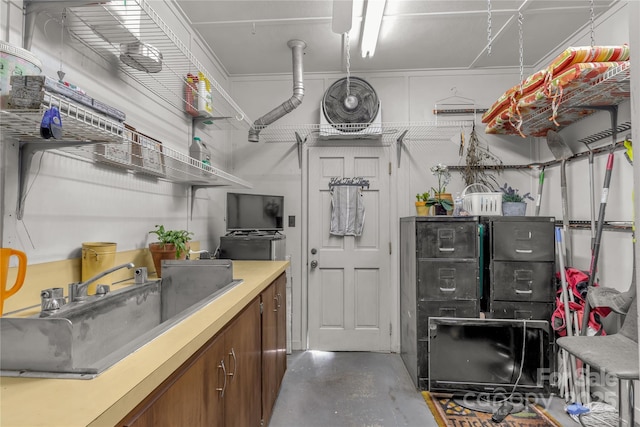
(348, 55)
(489, 39)
(520, 25)
(593, 18)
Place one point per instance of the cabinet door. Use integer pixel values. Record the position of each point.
(281, 327)
(242, 343)
(182, 400)
(269, 350)
(216, 381)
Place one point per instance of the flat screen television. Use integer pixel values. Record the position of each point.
(485, 356)
(254, 212)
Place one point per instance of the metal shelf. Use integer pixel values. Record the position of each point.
(386, 133)
(104, 27)
(79, 123)
(92, 136)
(615, 81)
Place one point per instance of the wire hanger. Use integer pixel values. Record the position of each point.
(456, 105)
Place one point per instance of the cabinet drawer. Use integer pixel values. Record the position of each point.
(523, 240)
(458, 308)
(454, 239)
(522, 281)
(447, 279)
(521, 310)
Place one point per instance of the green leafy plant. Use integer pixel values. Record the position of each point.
(441, 172)
(510, 194)
(424, 197)
(178, 238)
(437, 201)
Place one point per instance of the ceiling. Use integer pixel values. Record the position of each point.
(250, 36)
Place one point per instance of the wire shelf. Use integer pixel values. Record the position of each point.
(95, 137)
(385, 133)
(157, 161)
(108, 28)
(616, 81)
(78, 123)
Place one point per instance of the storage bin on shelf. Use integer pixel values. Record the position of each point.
(478, 199)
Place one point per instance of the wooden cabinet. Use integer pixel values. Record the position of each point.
(281, 329)
(243, 355)
(274, 343)
(217, 386)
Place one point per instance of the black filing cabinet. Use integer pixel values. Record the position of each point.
(519, 265)
(439, 277)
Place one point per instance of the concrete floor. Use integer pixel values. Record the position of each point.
(336, 389)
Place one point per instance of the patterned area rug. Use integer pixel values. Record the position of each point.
(448, 413)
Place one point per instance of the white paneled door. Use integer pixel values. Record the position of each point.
(348, 276)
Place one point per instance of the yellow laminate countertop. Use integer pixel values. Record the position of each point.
(106, 399)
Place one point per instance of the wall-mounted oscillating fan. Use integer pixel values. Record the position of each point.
(352, 113)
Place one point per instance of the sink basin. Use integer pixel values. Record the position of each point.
(83, 339)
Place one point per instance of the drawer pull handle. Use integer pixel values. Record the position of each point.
(524, 251)
(224, 375)
(447, 289)
(232, 353)
(524, 292)
(446, 249)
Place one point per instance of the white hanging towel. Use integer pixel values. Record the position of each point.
(347, 214)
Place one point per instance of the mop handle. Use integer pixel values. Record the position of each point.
(563, 281)
(540, 185)
(603, 206)
(567, 314)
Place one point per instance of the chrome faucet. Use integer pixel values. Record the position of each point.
(79, 290)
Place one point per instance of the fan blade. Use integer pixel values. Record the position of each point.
(342, 16)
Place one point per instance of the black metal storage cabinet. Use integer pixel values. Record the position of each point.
(439, 276)
(519, 266)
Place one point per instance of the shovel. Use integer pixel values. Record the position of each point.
(561, 151)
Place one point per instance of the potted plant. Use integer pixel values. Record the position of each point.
(171, 244)
(513, 203)
(441, 201)
(421, 204)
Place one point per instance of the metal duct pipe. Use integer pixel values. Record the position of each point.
(297, 46)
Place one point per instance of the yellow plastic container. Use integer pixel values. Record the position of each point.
(96, 258)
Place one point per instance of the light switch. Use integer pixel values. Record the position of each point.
(292, 220)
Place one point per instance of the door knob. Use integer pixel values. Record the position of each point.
(314, 264)
(314, 251)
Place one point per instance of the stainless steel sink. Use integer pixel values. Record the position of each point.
(83, 339)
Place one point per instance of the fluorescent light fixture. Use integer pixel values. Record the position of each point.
(372, 23)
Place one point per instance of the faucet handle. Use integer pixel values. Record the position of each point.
(102, 290)
(51, 299)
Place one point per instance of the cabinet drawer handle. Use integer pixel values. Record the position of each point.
(279, 299)
(524, 251)
(446, 249)
(276, 303)
(524, 292)
(447, 289)
(224, 374)
(232, 353)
